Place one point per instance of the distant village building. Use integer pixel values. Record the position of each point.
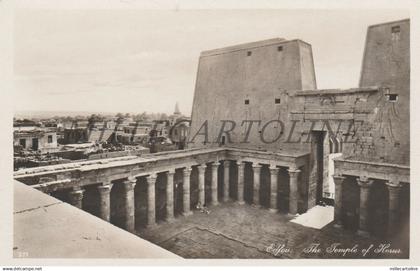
(179, 134)
(81, 131)
(75, 135)
(36, 140)
(179, 128)
(25, 125)
(110, 124)
(176, 115)
(161, 128)
(129, 139)
(137, 128)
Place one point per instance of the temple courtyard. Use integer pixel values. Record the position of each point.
(230, 230)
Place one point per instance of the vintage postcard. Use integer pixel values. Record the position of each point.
(178, 131)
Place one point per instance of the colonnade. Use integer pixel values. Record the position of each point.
(76, 195)
(365, 184)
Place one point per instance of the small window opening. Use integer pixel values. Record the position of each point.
(280, 48)
(50, 139)
(392, 97)
(22, 142)
(246, 101)
(277, 101)
(395, 32)
(395, 29)
(249, 53)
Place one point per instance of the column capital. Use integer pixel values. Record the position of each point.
(77, 194)
(132, 179)
(393, 185)
(226, 163)
(79, 191)
(240, 163)
(105, 188)
(201, 167)
(187, 171)
(129, 184)
(274, 170)
(103, 178)
(77, 188)
(171, 171)
(215, 164)
(293, 170)
(364, 181)
(151, 179)
(273, 167)
(256, 166)
(76, 197)
(338, 179)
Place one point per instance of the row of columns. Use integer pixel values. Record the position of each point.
(293, 186)
(104, 192)
(76, 195)
(365, 185)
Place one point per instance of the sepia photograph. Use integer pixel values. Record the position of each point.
(174, 133)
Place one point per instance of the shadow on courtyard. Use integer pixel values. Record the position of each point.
(243, 231)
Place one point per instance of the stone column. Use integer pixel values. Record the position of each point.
(186, 192)
(338, 200)
(365, 185)
(76, 197)
(214, 174)
(151, 200)
(274, 178)
(241, 169)
(226, 165)
(394, 190)
(201, 184)
(256, 184)
(293, 190)
(105, 201)
(129, 208)
(170, 180)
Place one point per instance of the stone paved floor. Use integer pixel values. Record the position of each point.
(244, 231)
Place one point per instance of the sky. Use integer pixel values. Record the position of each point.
(146, 60)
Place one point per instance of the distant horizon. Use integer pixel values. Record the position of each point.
(72, 113)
